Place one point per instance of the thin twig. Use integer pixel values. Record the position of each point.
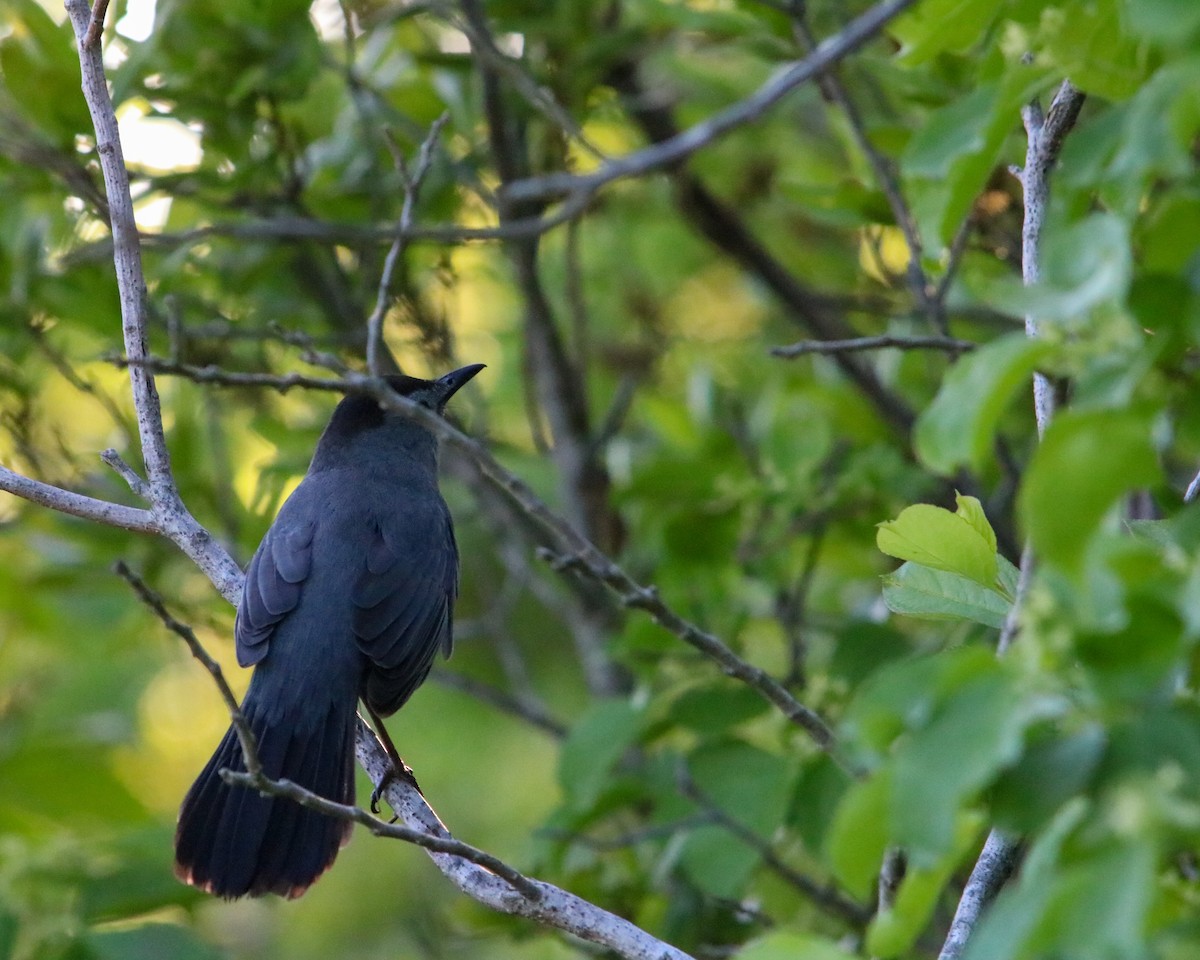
(958, 246)
(536, 95)
(856, 344)
(1193, 489)
(412, 187)
(885, 176)
(1000, 852)
(993, 868)
(96, 24)
(555, 382)
(126, 473)
(1045, 137)
(152, 600)
(660, 155)
(78, 505)
(381, 828)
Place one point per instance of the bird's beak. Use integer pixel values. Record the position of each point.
(449, 384)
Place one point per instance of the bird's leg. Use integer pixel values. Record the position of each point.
(399, 769)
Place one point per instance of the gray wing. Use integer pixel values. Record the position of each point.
(404, 601)
(276, 573)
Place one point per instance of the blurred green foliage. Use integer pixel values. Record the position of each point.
(748, 489)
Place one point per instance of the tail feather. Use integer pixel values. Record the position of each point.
(234, 842)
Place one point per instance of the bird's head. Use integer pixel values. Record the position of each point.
(434, 394)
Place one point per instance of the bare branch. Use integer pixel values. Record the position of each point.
(307, 229)
(253, 777)
(997, 861)
(412, 187)
(237, 718)
(380, 828)
(1045, 137)
(993, 868)
(590, 562)
(95, 25)
(555, 908)
(126, 250)
(77, 505)
(1192, 490)
(739, 114)
(856, 344)
(885, 175)
(172, 518)
(126, 472)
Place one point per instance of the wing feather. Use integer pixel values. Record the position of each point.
(274, 578)
(403, 601)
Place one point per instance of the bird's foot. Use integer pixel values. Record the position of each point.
(403, 772)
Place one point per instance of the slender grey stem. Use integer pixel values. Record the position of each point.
(885, 342)
(993, 868)
(684, 144)
(1045, 137)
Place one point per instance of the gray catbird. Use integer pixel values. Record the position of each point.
(349, 595)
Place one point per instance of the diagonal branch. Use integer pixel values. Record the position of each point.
(76, 504)
(805, 347)
(412, 187)
(660, 155)
(885, 174)
(1045, 137)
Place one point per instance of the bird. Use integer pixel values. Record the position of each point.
(349, 596)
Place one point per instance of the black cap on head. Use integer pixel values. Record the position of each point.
(434, 394)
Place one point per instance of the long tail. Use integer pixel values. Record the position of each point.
(234, 842)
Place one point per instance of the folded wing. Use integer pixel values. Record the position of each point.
(403, 602)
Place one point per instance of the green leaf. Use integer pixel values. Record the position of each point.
(935, 537)
(1007, 576)
(939, 26)
(971, 510)
(8, 934)
(973, 734)
(959, 427)
(1167, 21)
(1087, 44)
(821, 785)
(918, 591)
(1049, 773)
(593, 746)
(954, 131)
(750, 785)
(789, 945)
(1098, 907)
(859, 834)
(716, 707)
(1085, 462)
